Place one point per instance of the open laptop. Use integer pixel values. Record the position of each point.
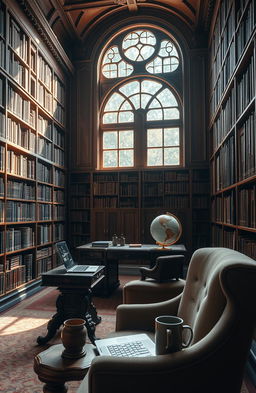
(139, 345)
(68, 262)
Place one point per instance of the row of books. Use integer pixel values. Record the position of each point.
(246, 87)
(247, 207)
(58, 196)
(59, 177)
(20, 135)
(80, 202)
(44, 172)
(224, 165)
(80, 189)
(128, 189)
(59, 90)
(44, 252)
(19, 211)
(44, 127)
(80, 216)
(21, 107)
(44, 72)
(224, 122)
(223, 78)
(247, 148)
(58, 112)
(18, 238)
(44, 193)
(44, 234)
(1, 92)
(44, 212)
(153, 189)
(59, 212)
(247, 245)
(17, 70)
(246, 28)
(2, 158)
(58, 137)
(20, 190)
(176, 187)
(2, 123)
(105, 202)
(44, 98)
(44, 148)
(20, 165)
(43, 265)
(2, 52)
(200, 202)
(58, 231)
(18, 40)
(59, 156)
(2, 20)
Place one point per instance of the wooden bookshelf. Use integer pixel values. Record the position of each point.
(32, 154)
(104, 203)
(232, 125)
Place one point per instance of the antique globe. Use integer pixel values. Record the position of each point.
(166, 229)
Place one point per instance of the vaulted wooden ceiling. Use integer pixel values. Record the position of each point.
(71, 20)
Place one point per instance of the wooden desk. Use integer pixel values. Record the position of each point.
(110, 256)
(74, 300)
(55, 371)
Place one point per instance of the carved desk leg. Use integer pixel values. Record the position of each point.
(72, 303)
(51, 387)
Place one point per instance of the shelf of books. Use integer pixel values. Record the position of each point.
(32, 155)
(232, 126)
(79, 208)
(103, 203)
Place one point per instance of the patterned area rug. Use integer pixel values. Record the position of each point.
(21, 325)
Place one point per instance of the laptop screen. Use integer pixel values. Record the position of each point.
(64, 254)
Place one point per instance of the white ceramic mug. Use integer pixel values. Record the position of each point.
(169, 334)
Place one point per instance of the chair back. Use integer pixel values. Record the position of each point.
(220, 290)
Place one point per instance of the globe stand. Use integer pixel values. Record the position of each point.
(163, 246)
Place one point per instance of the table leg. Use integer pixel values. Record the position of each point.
(72, 303)
(51, 387)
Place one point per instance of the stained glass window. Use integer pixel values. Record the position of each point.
(141, 110)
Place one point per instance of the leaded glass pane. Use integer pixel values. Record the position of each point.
(126, 139)
(171, 114)
(126, 106)
(126, 158)
(149, 86)
(139, 45)
(154, 137)
(155, 114)
(171, 156)
(167, 98)
(114, 102)
(130, 88)
(109, 118)
(110, 70)
(155, 157)
(110, 140)
(125, 117)
(171, 137)
(144, 100)
(110, 158)
(136, 101)
(167, 59)
(155, 104)
(124, 69)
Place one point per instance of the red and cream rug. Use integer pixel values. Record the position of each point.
(21, 325)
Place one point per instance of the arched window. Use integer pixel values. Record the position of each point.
(141, 107)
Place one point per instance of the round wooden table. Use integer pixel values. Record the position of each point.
(55, 371)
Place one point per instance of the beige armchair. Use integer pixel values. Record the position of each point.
(218, 302)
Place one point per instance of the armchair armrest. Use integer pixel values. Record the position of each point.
(142, 316)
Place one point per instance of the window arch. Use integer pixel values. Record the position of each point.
(141, 108)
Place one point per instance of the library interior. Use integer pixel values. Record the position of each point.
(114, 113)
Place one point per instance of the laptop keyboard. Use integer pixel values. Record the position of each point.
(135, 348)
(81, 268)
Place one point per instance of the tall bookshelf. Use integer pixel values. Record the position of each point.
(232, 126)
(32, 155)
(126, 201)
